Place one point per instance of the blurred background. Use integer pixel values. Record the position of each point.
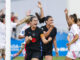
(2, 4)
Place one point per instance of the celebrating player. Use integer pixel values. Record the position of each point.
(74, 43)
(2, 36)
(34, 36)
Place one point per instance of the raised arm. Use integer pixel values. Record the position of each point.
(67, 17)
(41, 9)
(23, 20)
(2, 11)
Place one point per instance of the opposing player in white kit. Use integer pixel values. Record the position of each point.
(21, 36)
(78, 23)
(74, 44)
(2, 37)
(15, 25)
(20, 22)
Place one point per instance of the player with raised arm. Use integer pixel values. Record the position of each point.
(2, 36)
(49, 31)
(73, 45)
(78, 23)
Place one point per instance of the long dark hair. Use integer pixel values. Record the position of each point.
(32, 17)
(47, 17)
(2, 17)
(74, 16)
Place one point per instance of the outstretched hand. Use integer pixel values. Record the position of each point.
(39, 4)
(52, 25)
(66, 11)
(30, 38)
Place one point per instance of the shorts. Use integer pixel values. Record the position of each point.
(79, 55)
(33, 54)
(49, 52)
(73, 54)
(2, 52)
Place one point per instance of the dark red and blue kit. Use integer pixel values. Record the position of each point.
(47, 48)
(34, 48)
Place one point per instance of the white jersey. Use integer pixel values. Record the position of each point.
(22, 33)
(13, 25)
(2, 35)
(79, 33)
(73, 31)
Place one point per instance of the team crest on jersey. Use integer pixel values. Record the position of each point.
(33, 34)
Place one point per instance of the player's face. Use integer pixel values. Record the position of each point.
(34, 22)
(49, 21)
(70, 20)
(78, 23)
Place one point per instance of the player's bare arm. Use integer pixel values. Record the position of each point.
(41, 9)
(44, 39)
(55, 46)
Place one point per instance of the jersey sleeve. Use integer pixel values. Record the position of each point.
(55, 31)
(41, 33)
(13, 25)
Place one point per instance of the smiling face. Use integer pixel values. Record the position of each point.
(34, 22)
(49, 21)
(70, 21)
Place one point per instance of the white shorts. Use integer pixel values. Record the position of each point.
(79, 55)
(73, 54)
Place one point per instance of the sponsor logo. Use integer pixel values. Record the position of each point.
(14, 47)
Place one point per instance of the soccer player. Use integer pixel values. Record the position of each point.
(41, 16)
(22, 33)
(49, 31)
(74, 44)
(78, 23)
(34, 36)
(18, 53)
(25, 20)
(2, 36)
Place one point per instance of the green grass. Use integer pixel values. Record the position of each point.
(54, 58)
